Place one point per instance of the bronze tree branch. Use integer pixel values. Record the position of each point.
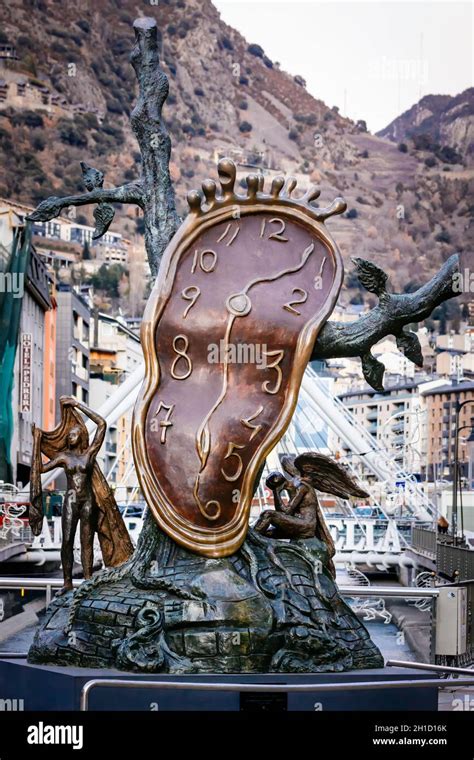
(393, 312)
(52, 206)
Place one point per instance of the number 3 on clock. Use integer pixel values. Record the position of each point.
(278, 354)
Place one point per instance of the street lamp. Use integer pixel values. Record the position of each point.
(459, 406)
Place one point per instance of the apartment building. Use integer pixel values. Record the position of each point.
(61, 240)
(72, 352)
(441, 404)
(33, 362)
(115, 353)
(393, 419)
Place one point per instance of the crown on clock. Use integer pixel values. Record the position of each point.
(212, 198)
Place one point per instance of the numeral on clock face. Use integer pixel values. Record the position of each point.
(278, 354)
(206, 260)
(231, 452)
(165, 423)
(276, 234)
(318, 280)
(192, 294)
(232, 236)
(302, 299)
(181, 355)
(249, 420)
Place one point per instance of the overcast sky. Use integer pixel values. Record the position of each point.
(372, 59)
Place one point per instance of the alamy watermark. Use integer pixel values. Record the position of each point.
(12, 705)
(48, 734)
(238, 353)
(463, 282)
(12, 282)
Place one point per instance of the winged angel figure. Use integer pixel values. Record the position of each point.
(301, 516)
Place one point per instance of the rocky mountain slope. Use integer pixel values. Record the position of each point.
(226, 98)
(438, 120)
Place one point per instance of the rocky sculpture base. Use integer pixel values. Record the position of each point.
(271, 607)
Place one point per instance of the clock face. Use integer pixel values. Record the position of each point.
(232, 324)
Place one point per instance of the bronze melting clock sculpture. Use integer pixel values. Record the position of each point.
(258, 271)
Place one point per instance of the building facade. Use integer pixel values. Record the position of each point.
(72, 353)
(32, 362)
(393, 419)
(115, 353)
(441, 404)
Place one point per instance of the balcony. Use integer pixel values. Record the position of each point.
(81, 372)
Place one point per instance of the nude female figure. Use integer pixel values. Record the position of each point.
(77, 461)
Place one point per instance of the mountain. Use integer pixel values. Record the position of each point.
(67, 97)
(439, 120)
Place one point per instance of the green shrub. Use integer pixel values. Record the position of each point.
(84, 25)
(107, 278)
(70, 135)
(28, 119)
(443, 237)
(257, 50)
(58, 48)
(39, 142)
(245, 126)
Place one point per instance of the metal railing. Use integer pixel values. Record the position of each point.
(267, 688)
(424, 541)
(399, 591)
(428, 666)
(452, 560)
(34, 584)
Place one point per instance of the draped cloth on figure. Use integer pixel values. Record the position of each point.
(114, 540)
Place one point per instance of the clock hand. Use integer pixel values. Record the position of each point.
(239, 304)
(203, 435)
(271, 278)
